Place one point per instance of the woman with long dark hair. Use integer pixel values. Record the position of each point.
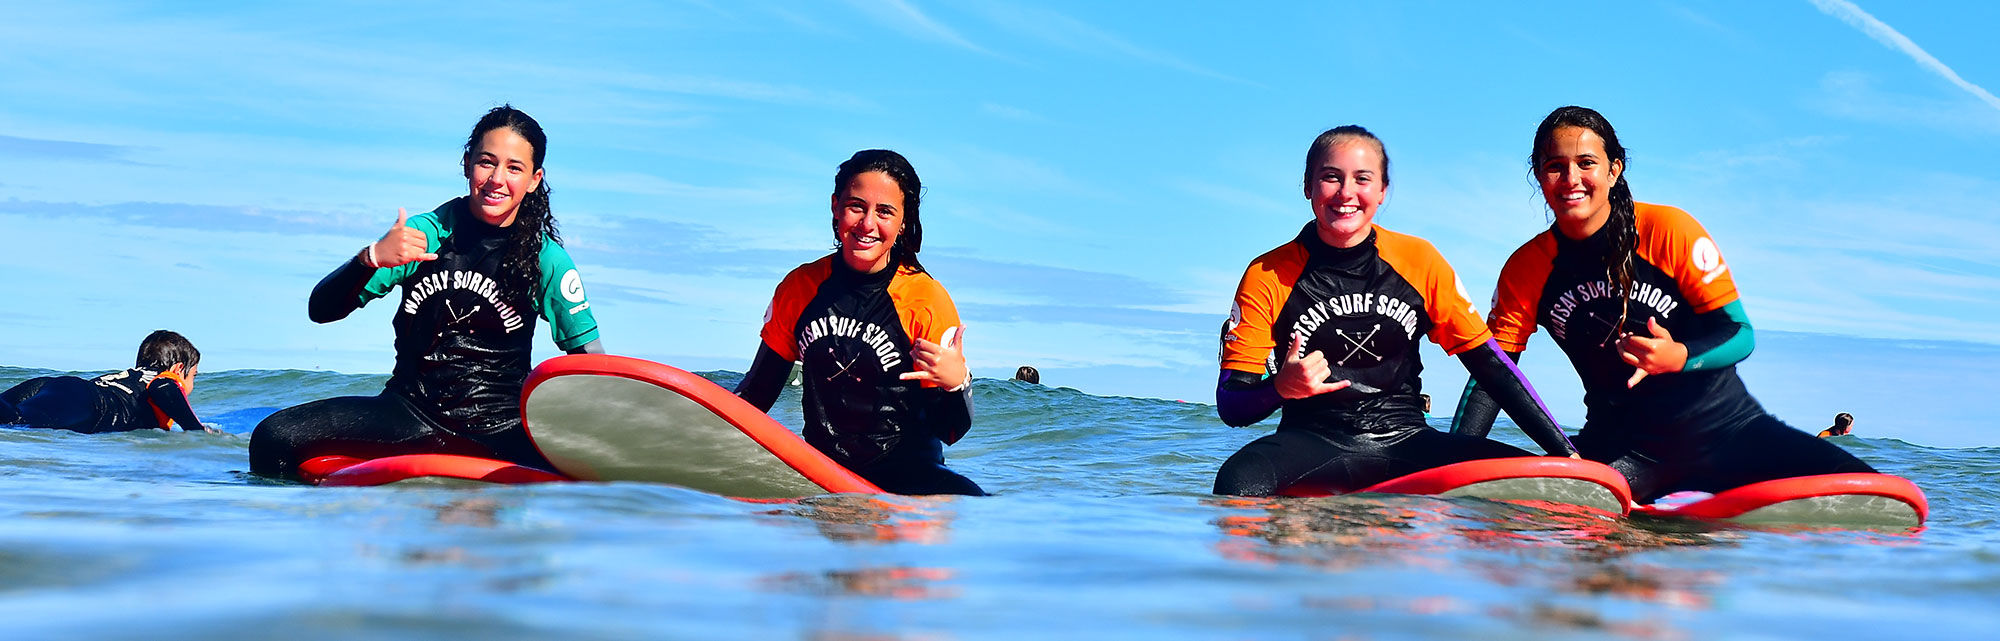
(877, 337)
(1326, 327)
(1640, 299)
(475, 274)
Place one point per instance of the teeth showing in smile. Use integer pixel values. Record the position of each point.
(1347, 209)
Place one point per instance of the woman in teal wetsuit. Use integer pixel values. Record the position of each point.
(475, 274)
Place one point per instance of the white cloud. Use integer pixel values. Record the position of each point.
(1853, 15)
(1061, 30)
(904, 17)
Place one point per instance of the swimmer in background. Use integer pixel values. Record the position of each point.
(877, 339)
(475, 274)
(151, 395)
(1843, 424)
(1028, 375)
(1327, 327)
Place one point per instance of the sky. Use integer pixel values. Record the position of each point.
(1097, 174)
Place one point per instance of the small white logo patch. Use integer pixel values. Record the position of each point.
(572, 287)
(1707, 259)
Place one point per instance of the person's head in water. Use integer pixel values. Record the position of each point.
(1580, 166)
(503, 174)
(1346, 180)
(168, 351)
(1028, 375)
(876, 200)
(1843, 424)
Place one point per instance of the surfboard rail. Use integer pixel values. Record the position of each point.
(348, 471)
(773, 436)
(1490, 478)
(1736, 502)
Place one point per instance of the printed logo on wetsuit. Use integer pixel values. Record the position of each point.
(1597, 301)
(1357, 323)
(834, 326)
(1707, 259)
(572, 291)
(1229, 331)
(469, 281)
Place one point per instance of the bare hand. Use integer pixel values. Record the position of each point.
(941, 365)
(401, 246)
(1305, 376)
(1656, 355)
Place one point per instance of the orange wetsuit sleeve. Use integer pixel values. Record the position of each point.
(1247, 340)
(1518, 292)
(794, 292)
(1673, 241)
(1455, 322)
(925, 310)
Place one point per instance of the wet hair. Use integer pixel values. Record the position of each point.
(521, 260)
(164, 349)
(1331, 138)
(1623, 225)
(1843, 421)
(897, 168)
(1028, 374)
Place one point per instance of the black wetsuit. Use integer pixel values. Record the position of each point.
(118, 402)
(464, 340)
(1696, 429)
(853, 334)
(1364, 308)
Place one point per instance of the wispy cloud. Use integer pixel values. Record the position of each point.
(1851, 94)
(907, 18)
(1853, 15)
(65, 150)
(1061, 30)
(1010, 113)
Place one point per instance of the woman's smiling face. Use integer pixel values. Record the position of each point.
(1346, 188)
(499, 172)
(867, 220)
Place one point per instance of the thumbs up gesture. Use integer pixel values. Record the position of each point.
(401, 246)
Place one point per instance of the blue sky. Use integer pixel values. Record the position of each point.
(1098, 175)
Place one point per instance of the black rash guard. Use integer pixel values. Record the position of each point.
(1363, 308)
(1691, 429)
(852, 333)
(464, 341)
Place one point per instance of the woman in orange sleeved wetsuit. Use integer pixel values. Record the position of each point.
(877, 339)
(1326, 327)
(1639, 298)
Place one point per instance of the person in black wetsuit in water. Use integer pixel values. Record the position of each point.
(475, 274)
(1327, 326)
(151, 395)
(1639, 298)
(877, 338)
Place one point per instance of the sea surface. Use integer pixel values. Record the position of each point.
(1100, 528)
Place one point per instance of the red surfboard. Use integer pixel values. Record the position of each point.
(1530, 478)
(613, 418)
(348, 471)
(1826, 499)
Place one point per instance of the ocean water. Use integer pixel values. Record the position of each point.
(1100, 528)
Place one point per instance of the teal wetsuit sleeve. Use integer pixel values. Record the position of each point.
(563, 302)
(1728, 341)
(386, 279)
